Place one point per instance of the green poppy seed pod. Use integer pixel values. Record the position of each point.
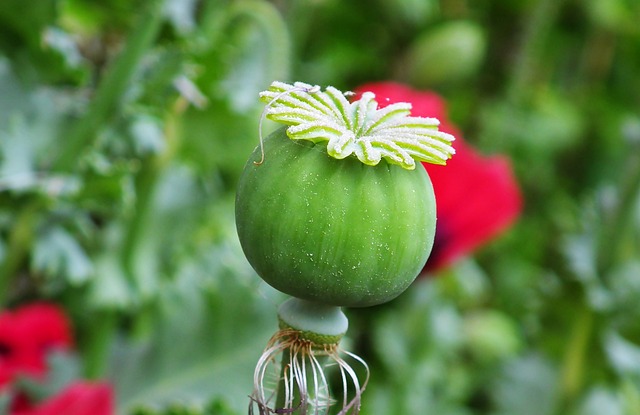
(336, 232)
(334, 210)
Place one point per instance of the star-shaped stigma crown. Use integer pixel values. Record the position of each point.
(359, 127)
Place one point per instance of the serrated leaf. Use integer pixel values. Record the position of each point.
(58, 254)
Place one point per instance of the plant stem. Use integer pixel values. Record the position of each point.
(104, 333)
(575, 355)
(99, 343)
(270, 22)
(611, 238)
(19, 242)
(613, 233)
(525, 67)
(112, 88)
(146, 184)
(108, 95)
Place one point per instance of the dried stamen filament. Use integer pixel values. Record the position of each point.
(300, 359)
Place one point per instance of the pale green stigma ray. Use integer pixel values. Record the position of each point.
(288, 104)
(290, 117)
(386, 115)
(342, 146)
(425, 145)
(335, 107)
(308, 88)
(302, 96)
(331, 106)
(400, 120)
(366, 152)
(315, 134)
(305, 117)
(343, 105)
(357, 128)
(295, 97)
(410, 151)
(396, 154)
(370, 112)
(408, 138)
(417, 125)
(304, 101)
(360, 112)
(423, 150)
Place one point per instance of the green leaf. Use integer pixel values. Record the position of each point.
(110, 286)
(623, 354)
(212, 325)
(40, 50)
(64, 44)
(62, 369)
(147, 134)
(216, 407)
(30, 118)
(417, 340)
(527, 386)
(255, 51)
(33, 18)
(599, 400)
(182, 15)
(58, 254)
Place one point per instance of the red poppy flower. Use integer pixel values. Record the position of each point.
(477, 197)
(81, 398)
(9, 343)
(27, 335)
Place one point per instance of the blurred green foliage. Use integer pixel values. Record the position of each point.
(124, 126)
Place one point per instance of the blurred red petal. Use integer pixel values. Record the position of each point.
(9, 343)
(81, 398)
(27, 335)
(477, 197)
(43, 327)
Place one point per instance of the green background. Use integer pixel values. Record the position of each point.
(124, 126)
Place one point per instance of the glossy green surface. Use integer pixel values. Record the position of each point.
(333, 231)
(320, 323)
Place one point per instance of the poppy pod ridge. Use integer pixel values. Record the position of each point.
(477, 196)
